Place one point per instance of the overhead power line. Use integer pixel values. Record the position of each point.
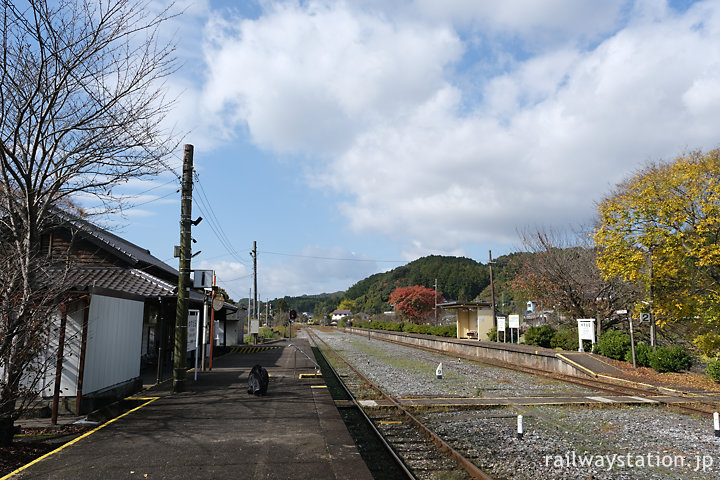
(334, 258)
(205, 206)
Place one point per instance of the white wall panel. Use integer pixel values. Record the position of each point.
(71, 354)
(114, 342)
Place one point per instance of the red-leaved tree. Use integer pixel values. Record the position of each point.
(415, 303)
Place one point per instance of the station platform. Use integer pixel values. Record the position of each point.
(590, 364)
(216, 430)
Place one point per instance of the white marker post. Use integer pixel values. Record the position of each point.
(438, 371)
(716, 419)
(520, 427)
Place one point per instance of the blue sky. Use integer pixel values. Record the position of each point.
(348, 138)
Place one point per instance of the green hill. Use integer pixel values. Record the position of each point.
(458, 278)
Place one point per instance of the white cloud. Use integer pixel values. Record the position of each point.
(537, 25)
(234, 277)
(549, 140)
(374, 95)
(311, 78)
(316, 269)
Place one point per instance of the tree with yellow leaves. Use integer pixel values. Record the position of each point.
(662, 228)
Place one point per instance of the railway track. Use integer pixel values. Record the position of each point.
(687, 401)
(602, 426)
(421, 452)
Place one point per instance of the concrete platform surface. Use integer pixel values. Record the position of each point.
(215, 430)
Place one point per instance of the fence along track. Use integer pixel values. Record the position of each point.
(402, 437)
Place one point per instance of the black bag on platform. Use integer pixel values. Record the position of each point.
(258, 381)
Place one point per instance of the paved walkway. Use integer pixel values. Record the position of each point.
(215, 430)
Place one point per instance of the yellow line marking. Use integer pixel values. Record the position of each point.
(310, 375)
(569, 361)
(75, 440)
(390, 422)
(311, 386)
(610, 377)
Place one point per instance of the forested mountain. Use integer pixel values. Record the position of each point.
(458, 278)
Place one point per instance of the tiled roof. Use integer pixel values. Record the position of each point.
(126, 280)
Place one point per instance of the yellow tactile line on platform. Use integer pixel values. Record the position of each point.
(309, 375)
(311, 386)
(569, 361)
(87, 434)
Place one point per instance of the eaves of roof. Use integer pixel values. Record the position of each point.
(133, 254)
(128, 281)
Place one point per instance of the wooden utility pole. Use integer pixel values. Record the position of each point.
(183, 300)
(492, 292)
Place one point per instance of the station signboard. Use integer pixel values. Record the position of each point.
(192, 326)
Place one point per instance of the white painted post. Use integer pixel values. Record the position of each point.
(716, 420)
(519, 426)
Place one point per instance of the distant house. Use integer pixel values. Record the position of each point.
(339, 314)
(474, 319)
(118, 313)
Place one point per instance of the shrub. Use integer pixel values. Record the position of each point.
(393, 326)
(708, 343)
(492, 334)
(713, 370)
(614, 344)
(446, 330)
(673, 359)
(565, 340)
(266, 332)
(540, 336)
(643, 352)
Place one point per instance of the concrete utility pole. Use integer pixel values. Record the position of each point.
(255, 295)
(492, 292)
(183, 300)
(436, 302)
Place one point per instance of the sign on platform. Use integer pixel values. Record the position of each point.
(203, 278)
(255, 326)
(514, 321)
(500, 324)
(586, 331)
(192, 325)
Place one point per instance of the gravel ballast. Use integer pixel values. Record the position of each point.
(559, 442)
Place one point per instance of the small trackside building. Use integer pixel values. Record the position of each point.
(474, 319)
(117, 315)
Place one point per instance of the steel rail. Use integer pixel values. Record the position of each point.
(463, 462)
(593, 383)
(369, 421)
